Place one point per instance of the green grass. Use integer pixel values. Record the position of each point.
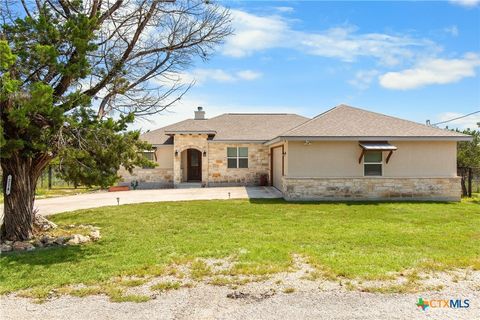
(165, 286)
(352, 240)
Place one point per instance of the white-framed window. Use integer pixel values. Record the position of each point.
(372, 163)
(237, 157)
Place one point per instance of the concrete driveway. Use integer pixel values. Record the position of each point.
(100, 199)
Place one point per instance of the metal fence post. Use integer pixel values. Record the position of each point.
(49, 177)
(470, 176)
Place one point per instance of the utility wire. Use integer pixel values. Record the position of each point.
(436, 124)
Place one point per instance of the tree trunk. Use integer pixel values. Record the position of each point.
(463, 181)
(18, 204)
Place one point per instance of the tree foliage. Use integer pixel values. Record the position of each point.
(75, 73)
(468, 152)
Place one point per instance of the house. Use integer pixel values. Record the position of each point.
(345, 153)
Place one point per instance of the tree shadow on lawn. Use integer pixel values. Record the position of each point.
(44, 256)
(348, 202)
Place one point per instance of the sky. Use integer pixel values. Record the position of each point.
(414, 60)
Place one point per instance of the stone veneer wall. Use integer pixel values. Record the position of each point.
(378, 188)
(183, 142)
(149, 178)
(220, 175)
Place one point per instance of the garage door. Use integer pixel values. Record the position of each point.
(277, 167)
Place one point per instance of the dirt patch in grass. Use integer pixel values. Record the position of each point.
(301, 277)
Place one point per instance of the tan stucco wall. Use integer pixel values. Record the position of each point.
(164, 156)
(323, 159)
(423, 159)
(340, 159)
(219, 174)
(159, 177)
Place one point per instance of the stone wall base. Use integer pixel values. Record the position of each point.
(378, 188)
(148, 178)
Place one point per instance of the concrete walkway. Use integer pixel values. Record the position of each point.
(100, 199)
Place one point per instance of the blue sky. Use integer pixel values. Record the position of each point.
(415, 60)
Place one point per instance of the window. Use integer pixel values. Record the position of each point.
(372, 163)
(149, 155)
(237, 157)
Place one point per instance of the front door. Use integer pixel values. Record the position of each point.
(277, 167)
(194, 165)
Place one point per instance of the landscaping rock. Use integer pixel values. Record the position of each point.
(95, 235)
(38, 243)
(61, 240)
(42, 223)
(22, 246)
(4, 247)
(78, 239)
(238, 295)
(47, 241)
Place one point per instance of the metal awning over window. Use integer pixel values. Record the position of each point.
(376, 146)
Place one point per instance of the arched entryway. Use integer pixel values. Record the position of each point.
(192, 165)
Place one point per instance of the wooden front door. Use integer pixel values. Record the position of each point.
(194, 165)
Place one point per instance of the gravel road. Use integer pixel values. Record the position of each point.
(209, 302)
(267, 299)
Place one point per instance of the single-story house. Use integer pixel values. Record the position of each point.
(341, 154)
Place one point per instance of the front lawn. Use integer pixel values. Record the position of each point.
(358, 240)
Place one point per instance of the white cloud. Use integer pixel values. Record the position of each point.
(432, 71)
(452, 30)
(218, 75)
(284, 9)
(253, 33)
(464, 123)
(248, 75)
(466, 3)
(200, 76)
(344, 43)
(363, 78)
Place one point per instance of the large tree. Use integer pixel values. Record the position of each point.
(468, 156)
(75, 73)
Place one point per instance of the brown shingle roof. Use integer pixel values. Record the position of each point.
(253, 126)
(231, 127)
(340, 122)
(157, 137)
(345, 121)
(190, 126)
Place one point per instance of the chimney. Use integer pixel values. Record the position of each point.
(200, 114)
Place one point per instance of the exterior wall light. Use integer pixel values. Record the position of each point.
(176, 153)
(204, 153)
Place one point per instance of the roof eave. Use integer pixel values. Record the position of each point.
(368, 138)
(236, 141)
(190, 132)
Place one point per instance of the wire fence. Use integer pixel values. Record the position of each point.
(51, 179)
(470, 180)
